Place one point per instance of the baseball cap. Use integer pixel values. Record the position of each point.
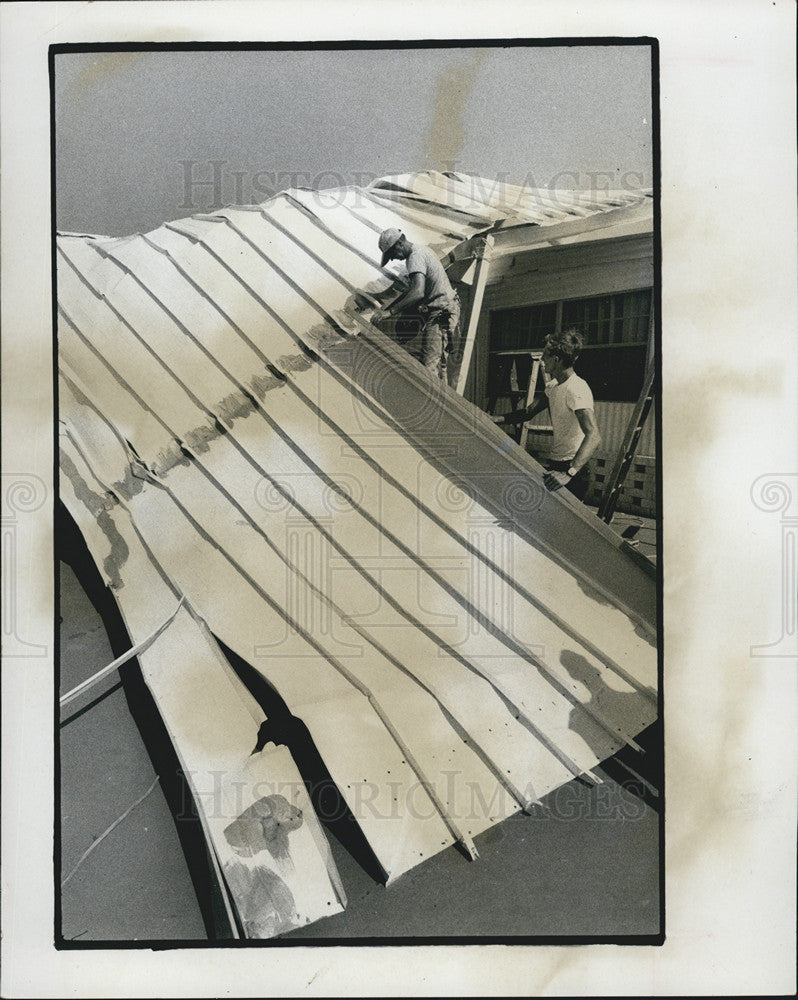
(388, 237)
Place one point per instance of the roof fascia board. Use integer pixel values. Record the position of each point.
(527, 236)
(515, 238)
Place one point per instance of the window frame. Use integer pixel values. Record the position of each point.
(588, 348)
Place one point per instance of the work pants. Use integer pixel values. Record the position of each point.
(438, 337)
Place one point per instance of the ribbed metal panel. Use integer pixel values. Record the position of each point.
(488, 200)
(370, 542)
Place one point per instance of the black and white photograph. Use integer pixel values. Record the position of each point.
(399, 498)
(359, 493)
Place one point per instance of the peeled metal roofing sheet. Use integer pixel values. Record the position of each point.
(276, 883)
(359, 218)
(432, 190)
(494, 198)
(178, 302)
(314, 690)
(367, 540)
(481, 647)
(354, 744)
(203, 364)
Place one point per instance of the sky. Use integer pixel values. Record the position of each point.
(146, 137)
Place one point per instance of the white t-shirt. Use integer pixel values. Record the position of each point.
(573, 394)
(438, 292)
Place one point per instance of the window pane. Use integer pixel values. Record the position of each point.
(610, 319)
(615, 373)
(524, 329)
(543, 322)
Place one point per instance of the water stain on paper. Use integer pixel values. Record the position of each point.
(265, 826)
(264, 902)
(447, 131)
(103, 69)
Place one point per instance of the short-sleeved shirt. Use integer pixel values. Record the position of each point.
(564, 399)
(438, 292)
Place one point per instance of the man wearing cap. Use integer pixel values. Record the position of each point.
(429, 294)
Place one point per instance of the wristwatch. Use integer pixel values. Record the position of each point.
(572, 472)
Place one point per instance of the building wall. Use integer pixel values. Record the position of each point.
(638, 494)
(573, 271)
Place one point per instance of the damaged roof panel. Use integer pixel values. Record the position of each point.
(277, 870)
(368, 541)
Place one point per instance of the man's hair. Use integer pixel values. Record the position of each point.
(567, 344)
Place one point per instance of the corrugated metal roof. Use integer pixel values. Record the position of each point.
(487, 201)
(458, 641)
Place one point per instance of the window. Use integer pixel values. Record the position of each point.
(615, 329)
(610, 319)
(524, 328)
(511, 329)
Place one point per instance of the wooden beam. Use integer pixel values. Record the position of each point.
(631, 250)
(516, 237)
(469, 249)
(480, 279)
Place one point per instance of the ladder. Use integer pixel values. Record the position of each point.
(626, 453)
(536, 372)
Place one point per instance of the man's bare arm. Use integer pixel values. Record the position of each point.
(591, 440)
(521, 416)
(413, 295)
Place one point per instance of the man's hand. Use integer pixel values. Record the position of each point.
(555, 480)
(497, 418)
(379, 315)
